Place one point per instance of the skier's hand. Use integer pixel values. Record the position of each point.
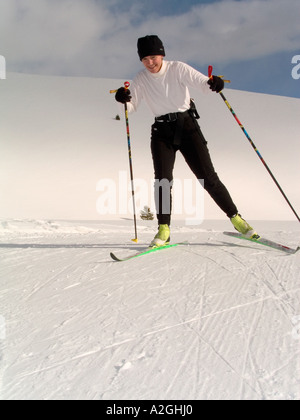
(123, 95)
(216, 84)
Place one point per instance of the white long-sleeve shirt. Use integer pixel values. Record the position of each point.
(168, 90)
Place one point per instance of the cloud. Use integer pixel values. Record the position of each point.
(230, 30)
(92, 38)
(56, 36)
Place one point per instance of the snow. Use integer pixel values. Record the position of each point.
(217, 319)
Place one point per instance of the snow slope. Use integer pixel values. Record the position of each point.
(59, 138)
(218, 319)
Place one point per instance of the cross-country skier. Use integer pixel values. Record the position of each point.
(164, 85)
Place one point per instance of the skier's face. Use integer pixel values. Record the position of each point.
(153, 63)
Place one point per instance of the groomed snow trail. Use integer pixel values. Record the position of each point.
(217, 319)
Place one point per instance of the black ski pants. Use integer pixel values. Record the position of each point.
(166, 140)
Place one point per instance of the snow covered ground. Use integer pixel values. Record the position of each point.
(218, 319)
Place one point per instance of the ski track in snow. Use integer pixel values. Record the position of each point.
(216, 319)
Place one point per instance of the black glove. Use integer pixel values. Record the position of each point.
(123, 95)
(216, 84)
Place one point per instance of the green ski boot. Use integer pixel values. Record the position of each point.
(162, 237)
(243, 227)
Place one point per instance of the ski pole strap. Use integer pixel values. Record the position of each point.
(126, 84)
(210, 69)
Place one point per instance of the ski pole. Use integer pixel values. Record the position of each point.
(210, 69)
(127, 84)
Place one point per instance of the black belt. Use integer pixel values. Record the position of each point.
(172, 116)
(179, 118)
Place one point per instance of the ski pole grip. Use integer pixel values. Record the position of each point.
(126, 84)
(210, 70)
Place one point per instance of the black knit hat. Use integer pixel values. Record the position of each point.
(150, 45)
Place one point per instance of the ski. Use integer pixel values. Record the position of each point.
(265, 242)
(146, 251)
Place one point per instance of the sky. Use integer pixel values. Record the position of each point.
(254, 43)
